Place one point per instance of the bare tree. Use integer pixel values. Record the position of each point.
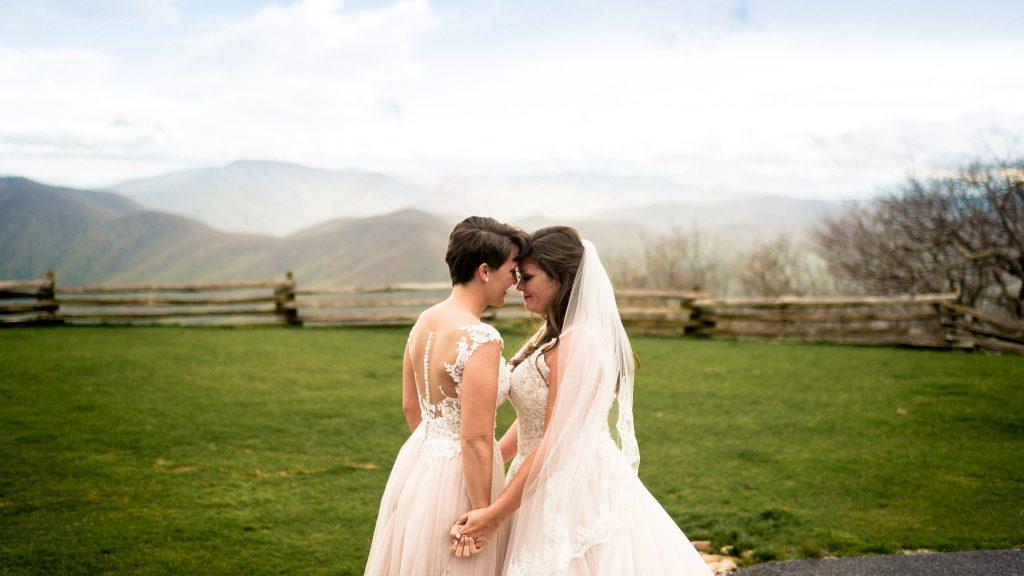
(963, 233)
(677, 260)
(680, 260)
(991, 198)
(625, 270)
(782, 266)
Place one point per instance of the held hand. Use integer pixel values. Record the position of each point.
(459, 542)
(472, 531)
(462, 545)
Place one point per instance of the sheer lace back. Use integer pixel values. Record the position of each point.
(447, 356)
(439, 358)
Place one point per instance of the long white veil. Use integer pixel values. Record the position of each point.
(567, 502)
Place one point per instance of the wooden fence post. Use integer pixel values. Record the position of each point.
(704, 320)
(46, 300)
(284, 303)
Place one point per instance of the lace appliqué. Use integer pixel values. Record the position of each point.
(474, 336)
(504, 384)
(435, 443)
(559, 551)
(442, 420)
(529, 396)
(563, 542)
(558, 554)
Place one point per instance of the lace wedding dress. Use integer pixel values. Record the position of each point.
(585, 511)
(528, 394)
(426, 491)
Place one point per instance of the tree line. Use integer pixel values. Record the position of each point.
(961, 232)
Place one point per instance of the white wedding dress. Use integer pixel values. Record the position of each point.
(528, 394)
(585, 511)
(426, 491)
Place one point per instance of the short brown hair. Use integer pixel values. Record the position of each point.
(481, 240)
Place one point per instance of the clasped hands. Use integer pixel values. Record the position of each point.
(472, 531)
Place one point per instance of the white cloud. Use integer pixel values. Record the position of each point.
(296, 82)
(283, 83)
(747, 112)
(152, 11)
(316, 36)
(721, 104)
(67, 103)
(64, 67)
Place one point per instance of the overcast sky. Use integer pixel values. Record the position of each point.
(820, 98)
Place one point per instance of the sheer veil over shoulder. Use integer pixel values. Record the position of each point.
(584, 509)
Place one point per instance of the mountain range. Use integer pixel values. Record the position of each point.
(273, 198)
(254, 219)
(95, 237)
(281, 199)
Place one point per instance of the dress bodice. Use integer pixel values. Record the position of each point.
(439, 392)
(429, 485)
(528, 393)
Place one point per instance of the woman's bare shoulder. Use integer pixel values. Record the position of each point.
(442, 317)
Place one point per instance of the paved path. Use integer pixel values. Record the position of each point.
(986, 563)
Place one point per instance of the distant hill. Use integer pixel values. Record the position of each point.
(39, 224)
(280, 199)
(736, 223)
(101, 237)
(404, 246)
(284, 199)
(617, 238)
(274, 198)
(98, 237)
(562, 196)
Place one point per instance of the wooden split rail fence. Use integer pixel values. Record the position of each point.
(923, 321)
(910, 320)
(931, 320)
(973, 328)
(45, 302)
(283, 302)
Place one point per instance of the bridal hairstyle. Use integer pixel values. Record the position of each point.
(558, 251)
(481, 240)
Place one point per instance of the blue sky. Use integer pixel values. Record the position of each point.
(808, 99)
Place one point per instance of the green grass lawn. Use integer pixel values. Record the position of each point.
(265, 451)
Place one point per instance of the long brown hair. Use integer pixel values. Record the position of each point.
(558, 251)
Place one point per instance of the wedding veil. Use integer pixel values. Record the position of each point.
(568, 502)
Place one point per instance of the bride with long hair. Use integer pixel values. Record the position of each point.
(573, 498)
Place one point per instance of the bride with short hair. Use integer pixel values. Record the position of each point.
(451, 385)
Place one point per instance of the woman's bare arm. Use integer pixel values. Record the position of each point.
(482, 524)
(479, 395)
(509, 442)
(410, 398)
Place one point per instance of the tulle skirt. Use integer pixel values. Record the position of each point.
(424, 496)
(650, 544)
(633, 536)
